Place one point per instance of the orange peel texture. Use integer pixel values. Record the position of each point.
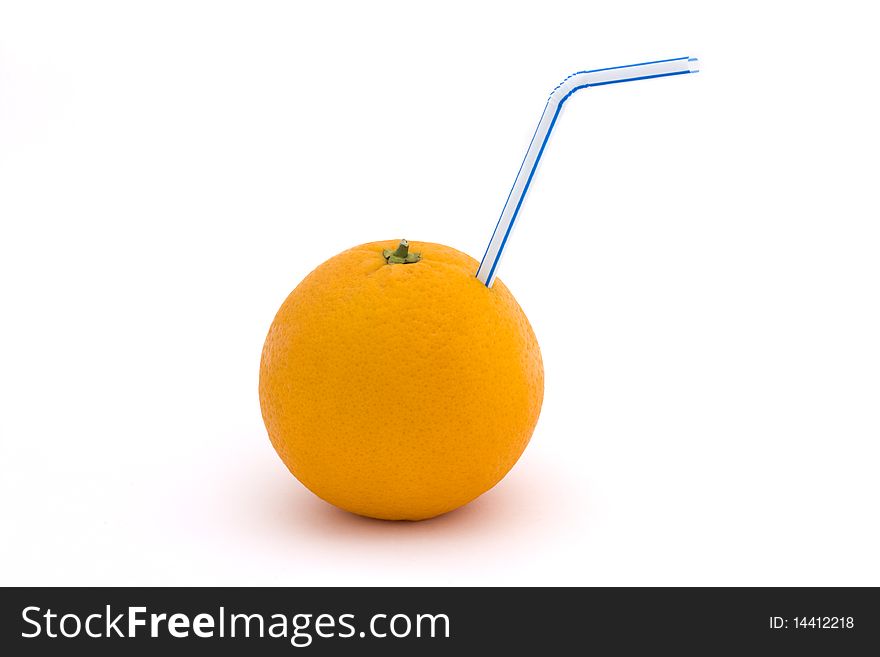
(402, 390)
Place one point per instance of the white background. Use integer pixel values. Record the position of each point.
(699, 257)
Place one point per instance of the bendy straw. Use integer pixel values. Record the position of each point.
(576, 81)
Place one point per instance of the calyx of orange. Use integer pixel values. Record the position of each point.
(401, 255)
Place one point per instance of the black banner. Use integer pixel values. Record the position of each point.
(438, 621)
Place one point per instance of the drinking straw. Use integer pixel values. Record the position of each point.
(574, 82)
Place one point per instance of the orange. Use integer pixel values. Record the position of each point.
(396, 385)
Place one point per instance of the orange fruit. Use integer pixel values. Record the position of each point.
(395, 385)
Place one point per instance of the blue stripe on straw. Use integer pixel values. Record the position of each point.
(490, 277)
(518, 171)
(614, 68)
(524, 192)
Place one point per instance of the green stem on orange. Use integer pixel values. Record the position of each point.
(401, 256)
